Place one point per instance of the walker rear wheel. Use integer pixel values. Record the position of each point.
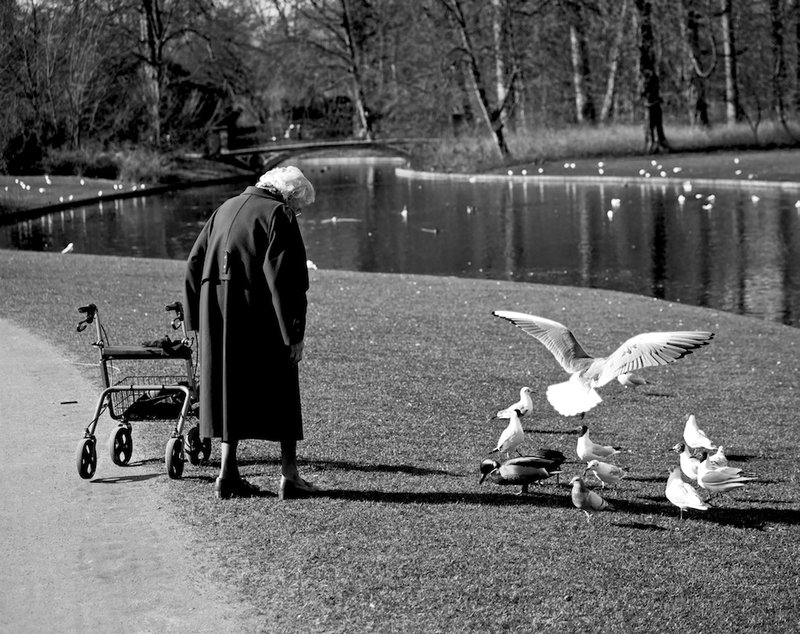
(120, 445)
(173, 457)
(86, 457)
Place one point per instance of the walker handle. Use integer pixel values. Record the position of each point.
(178, 308)
(90, 311)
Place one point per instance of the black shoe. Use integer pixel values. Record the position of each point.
(225, 488)
(292, 489)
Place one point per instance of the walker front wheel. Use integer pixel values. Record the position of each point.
(120, 444)
(173, 457)
(86, 457)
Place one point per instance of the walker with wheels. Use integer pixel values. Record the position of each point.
(164, 389)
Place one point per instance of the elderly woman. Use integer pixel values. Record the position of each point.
(246, 283)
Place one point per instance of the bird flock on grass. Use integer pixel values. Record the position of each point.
(699, 461)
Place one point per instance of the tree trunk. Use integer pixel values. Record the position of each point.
(796, 7)
(499, 61)
(359, 95)
(778, 58)
(581, 73)
(613, 66)
(697, 80)
(732, 107)
(651, 90)
(152, 71)
(494, 123)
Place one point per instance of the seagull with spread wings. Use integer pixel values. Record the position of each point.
(577, 395)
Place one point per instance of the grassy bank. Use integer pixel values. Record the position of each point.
(400, 375)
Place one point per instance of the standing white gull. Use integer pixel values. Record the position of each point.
(694, 437)
(682, 494)
(578, 395)
(719, 459)
(689, 463)
(523, 406)
(608, 474)
(589, 450)
(719, 480)
(512, 436)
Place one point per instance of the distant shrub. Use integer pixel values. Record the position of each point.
(81, 163)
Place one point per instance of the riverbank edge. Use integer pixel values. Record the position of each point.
(537, 179)
(533, 175)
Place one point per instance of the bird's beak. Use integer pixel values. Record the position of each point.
(483, 477)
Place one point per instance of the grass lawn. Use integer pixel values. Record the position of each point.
(400, 376)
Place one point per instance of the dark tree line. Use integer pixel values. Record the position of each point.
(164, 73)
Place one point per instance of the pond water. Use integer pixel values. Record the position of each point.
(730, 252)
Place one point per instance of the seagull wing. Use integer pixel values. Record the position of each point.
(556, 337)
(651, 349)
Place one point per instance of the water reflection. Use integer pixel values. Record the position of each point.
(733, 254)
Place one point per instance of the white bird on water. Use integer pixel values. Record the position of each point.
(523, 406)
(588, 450)
(512, 436)
(694, 437)
(608, 474)
(578, 395)
(68, 249)
(586, 500)
(682, 494)
(689, 463)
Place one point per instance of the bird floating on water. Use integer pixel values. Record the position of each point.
(511, 437)
(524, 470)
(589, 450)
(694, 437)
(608, 474)
(69, 248)
(586, 500)
(577, 395)
(682, 494)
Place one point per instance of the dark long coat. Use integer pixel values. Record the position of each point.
(245, 294)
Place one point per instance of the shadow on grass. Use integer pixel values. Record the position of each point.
(538, 498)
(752, 518)
(126, 479)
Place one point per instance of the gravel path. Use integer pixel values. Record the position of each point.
(77, 555)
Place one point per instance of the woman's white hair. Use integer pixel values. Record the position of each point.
(290, 183)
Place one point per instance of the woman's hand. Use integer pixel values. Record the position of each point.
(296, 352)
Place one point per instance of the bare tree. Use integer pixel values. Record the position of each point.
(690, 25)
(622, 22)
(778, 58)
(581, 72)
(729, 52)
(651, 90)
(492, 117)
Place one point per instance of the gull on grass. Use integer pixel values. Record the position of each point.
(589, 450)
(511, 437)
(524, 405)
(688, 462)
(682, 494)
(608, 474)
(694, 437)
(587, 500)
